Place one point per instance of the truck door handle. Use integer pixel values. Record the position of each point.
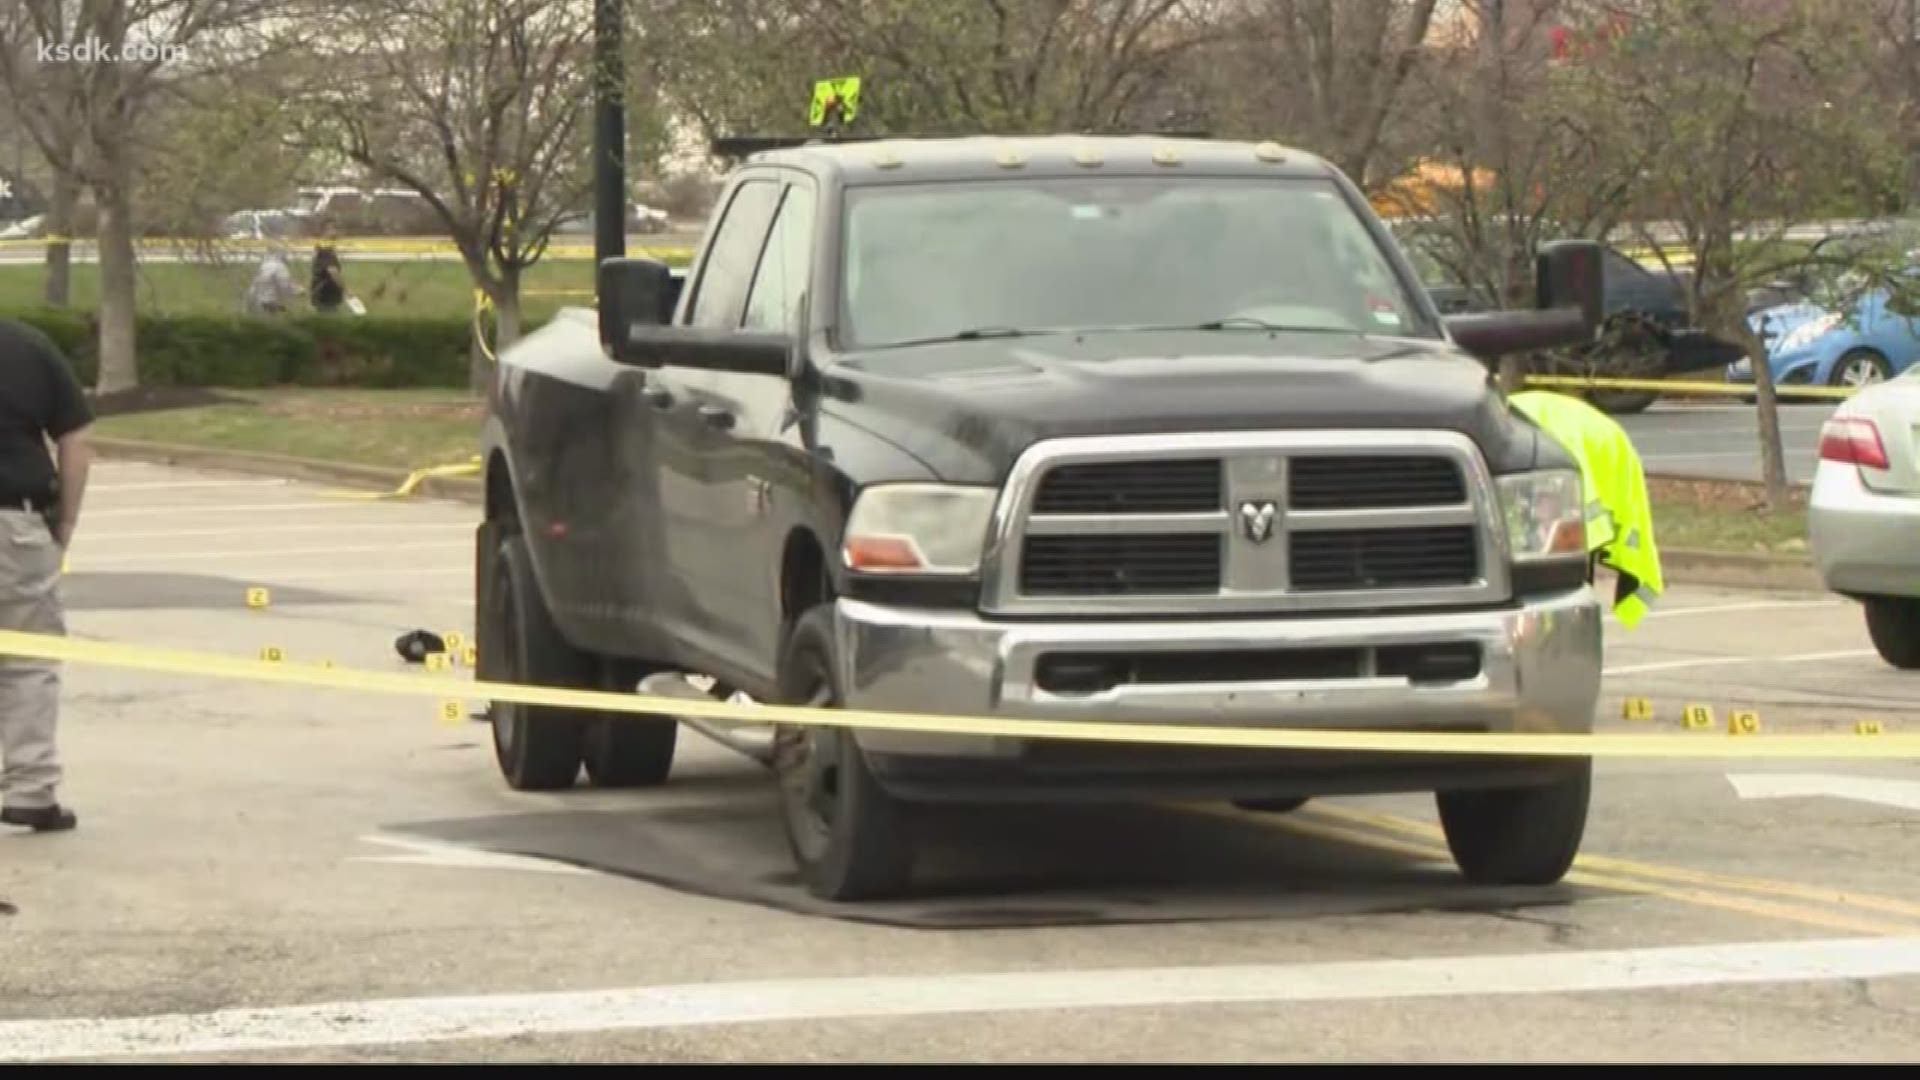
(658, 396)
(716, 417)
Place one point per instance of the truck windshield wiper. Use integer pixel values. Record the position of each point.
(978, 333)
(1241, 322)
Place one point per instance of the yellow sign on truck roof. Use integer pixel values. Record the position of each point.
(843, 93)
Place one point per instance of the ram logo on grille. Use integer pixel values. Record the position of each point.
(1256, 520)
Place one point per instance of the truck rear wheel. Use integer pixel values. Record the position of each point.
(624, 750)
(849, 837)
(1518, 836)
(538, 747)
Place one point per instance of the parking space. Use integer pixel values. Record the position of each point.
(349, 866)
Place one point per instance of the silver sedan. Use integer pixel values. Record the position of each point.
(1863, 521)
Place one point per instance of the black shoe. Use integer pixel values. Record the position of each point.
(40, 818)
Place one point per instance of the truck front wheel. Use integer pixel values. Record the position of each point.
(538, 747)
(849, 837)
(1518, 836)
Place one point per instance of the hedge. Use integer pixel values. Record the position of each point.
(304, 350)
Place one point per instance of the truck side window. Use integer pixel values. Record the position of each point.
(782, 277)
(722, 290)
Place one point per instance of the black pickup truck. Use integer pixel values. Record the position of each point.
(1123, 428)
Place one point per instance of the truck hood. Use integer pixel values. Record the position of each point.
(968, 409)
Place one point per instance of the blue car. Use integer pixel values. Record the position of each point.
(1853, 342)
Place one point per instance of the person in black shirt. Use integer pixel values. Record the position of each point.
(329, 289)
(40, 403)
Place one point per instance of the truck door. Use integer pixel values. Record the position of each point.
(756, 470)
(674, 429)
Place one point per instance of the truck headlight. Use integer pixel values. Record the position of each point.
(918, 529)
(1546, 514)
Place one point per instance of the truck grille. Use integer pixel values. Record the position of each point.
(1346, 483)
(1263, 521)
(1383, 558)
(1186, 563)
(1140, 487)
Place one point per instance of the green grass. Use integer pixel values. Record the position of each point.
(1688, 523)
(387, 288)
(391, 428)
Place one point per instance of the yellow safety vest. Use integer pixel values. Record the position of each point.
(1619, 514)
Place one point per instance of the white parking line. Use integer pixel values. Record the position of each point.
(266, 553)
(177, 485)
(245, 508)
(333, 529)
(1726, 661)
(1749, 605)
(418, 1020)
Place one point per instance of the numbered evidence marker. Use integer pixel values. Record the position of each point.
(258, 598)
(454, 640)
(1697, 717)
(436, 661)
(1636, 708)
(452, 712)
(1743, 722)
(272, 654)
(470, 656)
(1869, 727)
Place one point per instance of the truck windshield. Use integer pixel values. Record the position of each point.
(930, 262)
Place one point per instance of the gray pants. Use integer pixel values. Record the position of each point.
(29, 689)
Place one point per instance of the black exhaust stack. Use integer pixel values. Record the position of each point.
(609, 133)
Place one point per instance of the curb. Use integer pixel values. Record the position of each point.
(1783, 572)
(366, 477)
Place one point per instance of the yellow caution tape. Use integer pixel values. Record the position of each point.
(414, 479)
(211, 665)
(1740, 389)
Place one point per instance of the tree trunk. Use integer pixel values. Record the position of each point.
(118, 365)
(59, 283)
(1773, 461)
(506, 304)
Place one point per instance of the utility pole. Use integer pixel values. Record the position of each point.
(609, 133)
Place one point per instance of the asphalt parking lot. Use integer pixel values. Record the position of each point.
(266, 874)
(1723, 441)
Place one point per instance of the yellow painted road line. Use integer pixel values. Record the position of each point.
(1653, 871)
(1696, 897)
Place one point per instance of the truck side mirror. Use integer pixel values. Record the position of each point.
(1570, 295)
(1568, 274)
(633, 293)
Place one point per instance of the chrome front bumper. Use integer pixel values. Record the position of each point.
(1539, 672)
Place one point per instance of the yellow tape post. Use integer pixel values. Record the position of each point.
(1605, 745)
(1728, 389)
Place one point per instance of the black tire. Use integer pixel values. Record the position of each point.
(1623, 402)
(1271, 806)
(538, 747)
(849, 837)
(627, 750)
(1837, 376)
(1893, 622)
(1518, 836)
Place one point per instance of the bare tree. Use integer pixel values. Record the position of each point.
(932, 66)
(480, 106)
(1330, 75)
(90, 77)
(1761, 117)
